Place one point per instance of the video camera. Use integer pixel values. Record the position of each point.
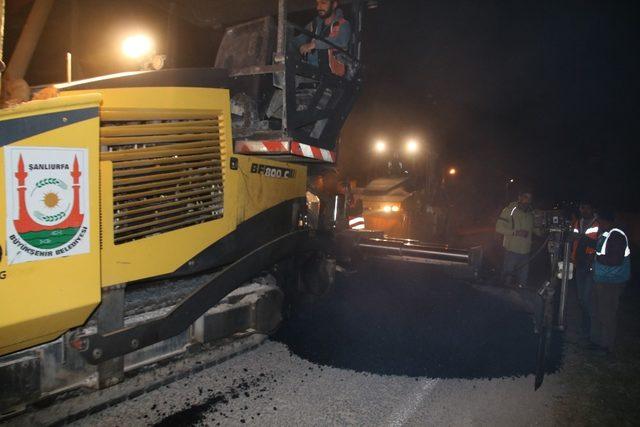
(553, 220)
(557, 224)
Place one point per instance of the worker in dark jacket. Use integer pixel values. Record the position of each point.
(330, 25)
(585, 233)
(611, 271)
(517, 226)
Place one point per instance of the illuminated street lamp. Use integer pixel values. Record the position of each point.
(139, 46)
(141, 49)
(412, 146)
(453, 171)
(380, 147)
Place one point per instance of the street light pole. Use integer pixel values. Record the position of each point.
(506, 196)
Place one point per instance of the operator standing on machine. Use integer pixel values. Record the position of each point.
(330, 25)
(516, 225)
(585, 231)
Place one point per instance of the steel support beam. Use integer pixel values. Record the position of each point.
(281, 56)
(111, 318)
(22, 54)
(2, 66)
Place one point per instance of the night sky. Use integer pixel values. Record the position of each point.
(543, 91)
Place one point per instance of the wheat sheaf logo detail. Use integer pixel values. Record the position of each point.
(48, 215)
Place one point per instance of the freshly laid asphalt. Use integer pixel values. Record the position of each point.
(394, 345)
(399, 319)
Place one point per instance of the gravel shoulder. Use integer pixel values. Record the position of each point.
(603, 390)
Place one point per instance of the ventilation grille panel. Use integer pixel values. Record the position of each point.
(167, 169)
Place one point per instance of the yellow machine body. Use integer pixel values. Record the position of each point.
(44, 294)
(162, 189)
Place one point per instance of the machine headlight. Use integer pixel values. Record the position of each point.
(391, 208)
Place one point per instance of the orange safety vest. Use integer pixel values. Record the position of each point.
(591, 232)
(337, 67)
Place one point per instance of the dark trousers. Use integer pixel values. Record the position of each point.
(605, 298)
(584, 284)
(515, 268)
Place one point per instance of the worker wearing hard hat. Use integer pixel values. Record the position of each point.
(516, 225)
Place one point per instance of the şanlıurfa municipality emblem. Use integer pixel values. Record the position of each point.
(47, 203)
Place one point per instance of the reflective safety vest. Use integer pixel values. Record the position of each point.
(590, 232)
(517, 226)
(356, 223)
(336, 66)
(603, 273)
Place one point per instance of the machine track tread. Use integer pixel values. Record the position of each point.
(80, 403)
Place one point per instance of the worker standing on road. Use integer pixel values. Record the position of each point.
(585, 230)
(611, 271)
(516, 225)
(330, 25)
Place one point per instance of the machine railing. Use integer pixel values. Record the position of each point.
(310, 103)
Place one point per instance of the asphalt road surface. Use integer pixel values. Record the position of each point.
(394, 345)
